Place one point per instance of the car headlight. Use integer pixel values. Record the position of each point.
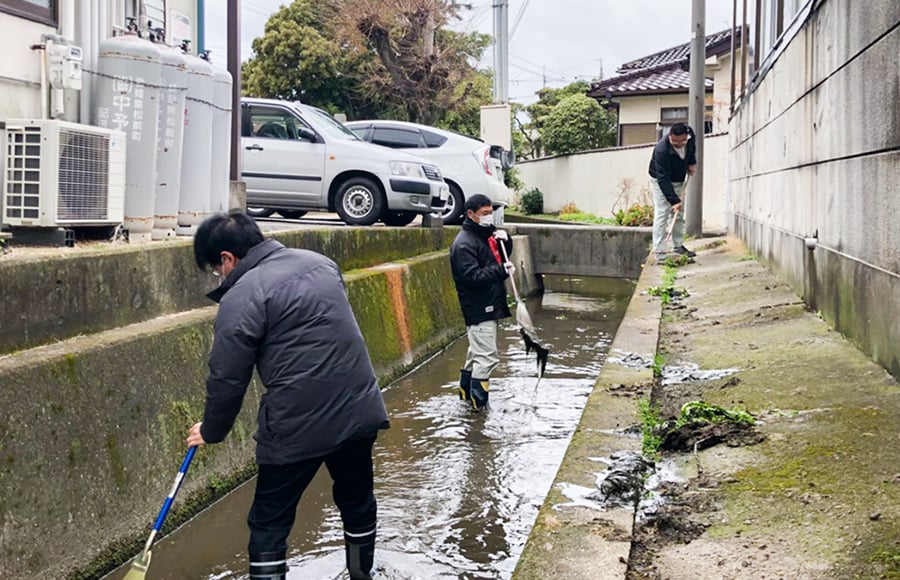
(407, 169)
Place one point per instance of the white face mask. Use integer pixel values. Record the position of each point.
(486, 221)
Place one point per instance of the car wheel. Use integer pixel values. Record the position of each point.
(359, 201)
(291, 214)
(398, 218)
(455, 209)
(259, 212)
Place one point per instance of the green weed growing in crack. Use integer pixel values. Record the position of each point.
(667, 290)
(703, 412)
(676, 261)
(659, 361)
(650, 426)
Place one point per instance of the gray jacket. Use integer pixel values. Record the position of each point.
(286, 312)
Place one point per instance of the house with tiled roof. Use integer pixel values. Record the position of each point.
(651, 93)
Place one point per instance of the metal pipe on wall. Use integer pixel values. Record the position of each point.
(757, 18)
(89, 58)
(67, 19)
(744, 51)
(201, 26)
(45, 96)
(733, 51)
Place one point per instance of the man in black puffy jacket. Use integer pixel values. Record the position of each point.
(674, 158)
(285, 311)
(479, 271)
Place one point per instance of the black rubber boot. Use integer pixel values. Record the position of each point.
(268, 566)
(360, 554)
(465, 379)
(478, 393)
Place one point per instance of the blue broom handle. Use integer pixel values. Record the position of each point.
(182, 471)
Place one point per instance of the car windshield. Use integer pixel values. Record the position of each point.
(327, 124)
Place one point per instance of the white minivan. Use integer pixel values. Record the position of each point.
(298, 158)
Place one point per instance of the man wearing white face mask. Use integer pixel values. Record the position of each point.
(479, 272)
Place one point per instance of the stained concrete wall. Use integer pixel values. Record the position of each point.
(93, 427)
(815, 152)
(74, 292)
(600, 182)
(608, 251)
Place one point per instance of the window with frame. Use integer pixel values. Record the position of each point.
(397, 138)
(672, 115)
(148, 14)
(155, 14)
(272, 123)
(44, 11)
(433, 140)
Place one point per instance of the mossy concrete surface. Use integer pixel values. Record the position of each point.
(850, 294)
(575, 542)
(93, 428)
(820, 497)
(54, 296)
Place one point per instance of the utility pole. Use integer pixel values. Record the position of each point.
(234, 67)
(501, 51)
(696, 114)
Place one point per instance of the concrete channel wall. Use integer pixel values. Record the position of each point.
(50, 297)
(815, 151)
(93, 425)
(607, 251)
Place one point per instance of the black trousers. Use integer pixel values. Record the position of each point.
(279, 488)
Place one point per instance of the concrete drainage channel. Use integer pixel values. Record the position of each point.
(120, 396)
(458, 491)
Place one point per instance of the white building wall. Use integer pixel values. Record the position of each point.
(20, 67)
(20, 73)
(599, 182)
(645, 109)
(719, 69)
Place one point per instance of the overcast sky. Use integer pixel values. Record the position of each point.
(562, 39)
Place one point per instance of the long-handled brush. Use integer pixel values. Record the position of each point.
(526, 327)
(142, 562)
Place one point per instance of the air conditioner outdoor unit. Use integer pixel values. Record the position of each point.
(61, 174)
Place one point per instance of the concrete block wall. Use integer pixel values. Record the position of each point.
(815, 153)
(594, 180)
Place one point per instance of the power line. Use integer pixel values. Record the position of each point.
(531, 62)
(526, 69)
(518, 19)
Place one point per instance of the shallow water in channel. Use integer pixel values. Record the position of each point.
(457, 491)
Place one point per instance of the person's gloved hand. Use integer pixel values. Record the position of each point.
(501, 235)
(510, 269)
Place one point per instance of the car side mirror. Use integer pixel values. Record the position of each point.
(307, 135)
